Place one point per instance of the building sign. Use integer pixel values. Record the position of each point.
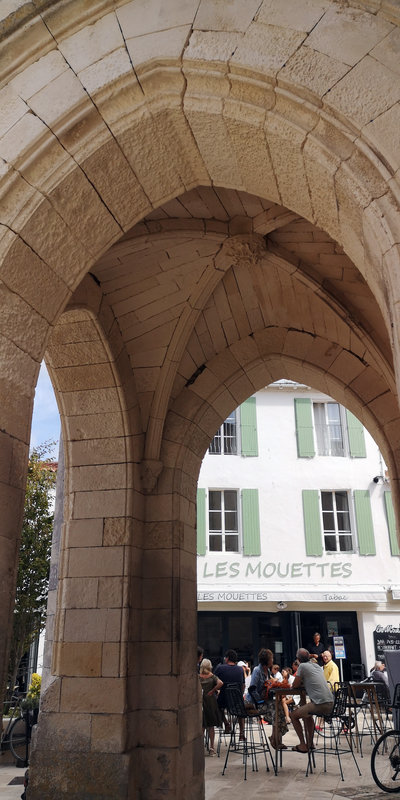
(276, 570)
(339, 648)
(386, 638)
(278, 595)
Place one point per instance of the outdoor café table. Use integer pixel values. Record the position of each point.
(279, 692)
(373, 708)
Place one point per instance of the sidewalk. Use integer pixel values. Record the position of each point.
(291, 781)
(8, 774)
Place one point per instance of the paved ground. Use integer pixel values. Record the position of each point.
(8, 775)
(289, 784)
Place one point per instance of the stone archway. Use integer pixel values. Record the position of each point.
(263, 314)
(119, 127)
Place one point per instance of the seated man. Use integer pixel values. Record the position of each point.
(331, 670)
(311, 677)
(230, 673)
(379, 676)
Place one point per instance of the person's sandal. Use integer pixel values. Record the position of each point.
(297, 749)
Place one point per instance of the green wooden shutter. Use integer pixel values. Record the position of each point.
(356, 436)
(365, 528)
(248, 424)
(312, 522)
(304, 427)
(391, 521)
(201, 522)
(251, 523)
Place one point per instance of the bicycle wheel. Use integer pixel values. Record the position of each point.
(18, 739)
(385, 762)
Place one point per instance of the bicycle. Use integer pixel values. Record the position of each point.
(17, 734)
(385, 756)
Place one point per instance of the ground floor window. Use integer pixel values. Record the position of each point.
(282, 632)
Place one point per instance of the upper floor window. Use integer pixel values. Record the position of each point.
(225, 440)
(331, 520)
(228, 519)
(223, 521)
(336, 522)
(329, 429)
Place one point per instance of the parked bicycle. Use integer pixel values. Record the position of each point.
(16, 735)
(385, 756)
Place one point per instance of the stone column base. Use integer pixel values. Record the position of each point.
(58, 771)
(57, 775)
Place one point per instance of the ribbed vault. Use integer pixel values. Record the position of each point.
(212, 268)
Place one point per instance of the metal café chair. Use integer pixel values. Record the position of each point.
(371, 716)
(254, 741)
(334, 745)
(339, 724)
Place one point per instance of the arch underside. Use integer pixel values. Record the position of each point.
(217, 279)
(189, 213)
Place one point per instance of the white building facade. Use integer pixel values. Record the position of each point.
(296, 532)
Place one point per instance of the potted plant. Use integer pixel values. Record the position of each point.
(31, 703)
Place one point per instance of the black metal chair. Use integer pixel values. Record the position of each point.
(383, 697)
(254, 740)
(333, 745)
(357, 672)
(372, 712)
(345, 723)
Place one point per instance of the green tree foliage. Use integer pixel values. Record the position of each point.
(34, 559)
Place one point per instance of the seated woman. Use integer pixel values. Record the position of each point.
(288, 700)
(258, 695)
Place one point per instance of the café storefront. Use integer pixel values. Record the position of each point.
(242, 605)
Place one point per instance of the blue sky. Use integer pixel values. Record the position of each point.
(46, 419)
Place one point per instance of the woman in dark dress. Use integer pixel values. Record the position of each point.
(210, 685)
(265, 703)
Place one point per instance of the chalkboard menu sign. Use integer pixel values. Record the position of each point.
(386, 638)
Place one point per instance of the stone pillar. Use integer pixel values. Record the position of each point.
(54, 566)
(79, 747)
(169, 753)
(13, 465)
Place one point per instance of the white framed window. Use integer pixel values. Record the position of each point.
(329, 429)
(225, 441)
(223, 520)
(336, 522)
